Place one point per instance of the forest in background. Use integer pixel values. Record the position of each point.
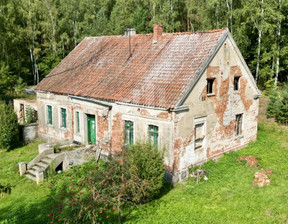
(35, 35)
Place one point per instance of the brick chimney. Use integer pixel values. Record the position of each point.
(157, 32)
(130, 32)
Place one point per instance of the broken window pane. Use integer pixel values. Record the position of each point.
(210, 86)
(199, 135)
(236, 83)
(238, 124)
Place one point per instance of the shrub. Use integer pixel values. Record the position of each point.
(149, 161)
(9, 129)
(278, 105)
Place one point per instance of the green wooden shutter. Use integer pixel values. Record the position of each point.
(78, 122)
(49, 112)
(129, 129)
(153, 134)
(63, 118)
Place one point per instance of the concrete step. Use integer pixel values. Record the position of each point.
(31, 172)
(46, 160)
(32, 177)
(42, 165)
(36, 168)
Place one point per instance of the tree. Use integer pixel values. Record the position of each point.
(9, 129)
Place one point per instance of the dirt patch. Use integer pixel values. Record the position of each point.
(261, 178)
(250, 160)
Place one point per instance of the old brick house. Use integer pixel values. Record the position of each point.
(191, 93)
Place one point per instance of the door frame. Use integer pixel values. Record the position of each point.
(88, 129)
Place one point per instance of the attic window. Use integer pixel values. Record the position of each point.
(236, 82)
(210, 82)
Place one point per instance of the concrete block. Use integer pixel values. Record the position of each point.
(22, 168)
(39, 177)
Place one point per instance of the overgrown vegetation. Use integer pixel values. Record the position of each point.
(149, 161)
(278, 105)
(9, 128)
(30, 115)
(96, 192)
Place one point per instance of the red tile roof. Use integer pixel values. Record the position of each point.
(156, 74)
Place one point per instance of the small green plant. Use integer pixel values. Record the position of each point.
(9, 128)
(57, 149)
(52, 171)
(5, 189)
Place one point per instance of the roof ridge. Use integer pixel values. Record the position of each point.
(165, 33)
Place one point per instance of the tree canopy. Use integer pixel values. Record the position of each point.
(35, 35)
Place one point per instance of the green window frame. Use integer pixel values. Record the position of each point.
(129, 132)
(63, 118)
(49, 115)
(77, 121)
(153, 132)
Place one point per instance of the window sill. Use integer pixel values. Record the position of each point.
(238, 137)
(199, 138)
(210, 94)
(198, 148)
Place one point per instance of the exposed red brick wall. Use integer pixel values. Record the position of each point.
(102, 127)
(163, 115)
(118, 134)
(145, 112)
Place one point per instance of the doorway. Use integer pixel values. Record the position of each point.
(91, 128)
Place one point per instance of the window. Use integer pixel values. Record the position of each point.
(238, 124)
(129, 132)
(210, 86)
(77, 122)
(153, 134)
(49, 115)
(236, 82)
(63, 118)
(199, 135)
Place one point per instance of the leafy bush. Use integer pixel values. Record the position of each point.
(9, 129)
(150, 163)
(97, 192)
(278, 105)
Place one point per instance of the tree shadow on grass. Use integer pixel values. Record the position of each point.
(26, 213)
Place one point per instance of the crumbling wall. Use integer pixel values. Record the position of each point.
(218, 111)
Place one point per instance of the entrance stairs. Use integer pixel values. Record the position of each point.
(41, 166)
(47, 160)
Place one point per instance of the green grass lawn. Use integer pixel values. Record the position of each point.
(227, 197)
(28, 202)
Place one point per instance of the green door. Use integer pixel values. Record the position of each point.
(91, 126)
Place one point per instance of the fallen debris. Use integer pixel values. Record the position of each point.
(198, 174)
(250, 160)
(261, 178)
